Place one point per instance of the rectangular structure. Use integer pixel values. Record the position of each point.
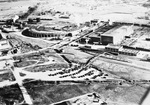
(4, 45)
(116, 35)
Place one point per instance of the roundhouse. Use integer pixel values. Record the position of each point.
(38, 34)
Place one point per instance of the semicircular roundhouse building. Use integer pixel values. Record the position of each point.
(39, 34)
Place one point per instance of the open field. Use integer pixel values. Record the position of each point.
(77, 56)
(80, 9)
(130, 73)
(10, 94)
(40, 61)
(22, 45)
(45, 93)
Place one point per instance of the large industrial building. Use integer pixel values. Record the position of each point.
(116, 35)
(39, 34)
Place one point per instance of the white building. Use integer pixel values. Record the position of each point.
(116, 35)
(144, 55)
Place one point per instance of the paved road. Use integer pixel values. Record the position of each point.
(146, 101)
(25, 94)
(7, 83)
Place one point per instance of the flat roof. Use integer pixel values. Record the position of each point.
(95, 35)
(48, 32)
(113, 46)
(4, 45)
(129, 50)
(115, 31)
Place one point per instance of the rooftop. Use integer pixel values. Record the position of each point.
(113, 46)
(116, 30)
(4, 45)
(128, 50)
(94, 35)
(48, 32)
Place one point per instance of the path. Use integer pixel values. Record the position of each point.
(25, 94)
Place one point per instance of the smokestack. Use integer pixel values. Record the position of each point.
(110, 22)
(15, 18)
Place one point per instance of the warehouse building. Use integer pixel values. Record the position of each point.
(112, 48)
(116, 35)
(143, 55)
(121, 50)
(130, 52)
(43, 34)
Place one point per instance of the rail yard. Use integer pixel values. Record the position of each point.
(52, 55)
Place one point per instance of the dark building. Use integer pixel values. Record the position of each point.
(94, 21)
(106, 40)
(87, 24)
(94, 39)
(1, 36)
(33, 21)
(82, 40)
(39, 34)
(9, 21)
(30, 20)
(38, 19)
